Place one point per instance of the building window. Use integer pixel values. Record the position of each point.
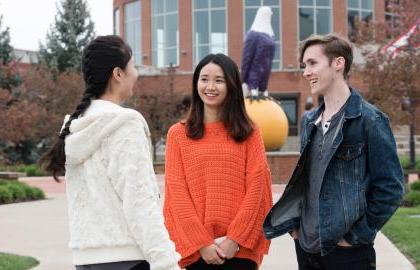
(209, 28)
(391, 18)
(117, 22)
(289, 104)
(251, 8)
(165, 36)
(314, 17)
(358, 10)
(132, 23)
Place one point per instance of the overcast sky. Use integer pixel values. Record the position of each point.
(29, 20)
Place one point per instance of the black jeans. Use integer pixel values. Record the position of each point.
(341, 258)
(232, 264)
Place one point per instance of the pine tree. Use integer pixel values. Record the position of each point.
(72, 31)
(5, 48)
(9, 77)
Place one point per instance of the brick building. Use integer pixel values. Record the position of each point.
(179, 33)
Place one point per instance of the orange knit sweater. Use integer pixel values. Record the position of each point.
(216, 187)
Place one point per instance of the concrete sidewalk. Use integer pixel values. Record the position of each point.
(39, 229)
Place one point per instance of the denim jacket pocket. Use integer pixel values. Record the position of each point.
(349, 152)
(349, 171)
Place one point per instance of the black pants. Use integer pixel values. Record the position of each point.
(127, 265)
(142, 266)
(341, 258)
(232, 264)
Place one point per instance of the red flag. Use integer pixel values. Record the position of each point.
(394, 47)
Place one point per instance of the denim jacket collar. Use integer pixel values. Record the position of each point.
(353, 110)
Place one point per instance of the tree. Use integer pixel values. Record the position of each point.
(393, 79)
(32, 114)
(18, 117)
(9, 77)
(56, 95)
(6, 49)
(72, 31)
(159, 104)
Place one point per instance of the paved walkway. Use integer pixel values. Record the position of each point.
(39, 229)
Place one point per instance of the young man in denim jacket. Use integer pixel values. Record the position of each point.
(348, 181)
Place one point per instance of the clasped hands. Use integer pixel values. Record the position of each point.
(217, 254)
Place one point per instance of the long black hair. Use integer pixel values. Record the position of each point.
(233, 114)
(99, 59)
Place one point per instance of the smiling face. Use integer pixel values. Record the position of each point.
(211, 86)
(320, 73)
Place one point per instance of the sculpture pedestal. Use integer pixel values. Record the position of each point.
(271, 119)
(282, 165)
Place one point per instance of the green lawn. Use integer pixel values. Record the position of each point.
(404, 232)
(15, 262)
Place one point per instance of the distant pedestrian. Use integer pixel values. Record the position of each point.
(185, 106)
(309, 107)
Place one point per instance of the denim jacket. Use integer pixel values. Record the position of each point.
(362, 186)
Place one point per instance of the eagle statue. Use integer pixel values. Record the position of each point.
(258, 54)
(257, 57)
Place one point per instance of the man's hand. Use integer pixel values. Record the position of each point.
(229, 247)
(343, 243)
(212, 254)
(294, 234)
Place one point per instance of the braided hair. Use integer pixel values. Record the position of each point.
(99, 59)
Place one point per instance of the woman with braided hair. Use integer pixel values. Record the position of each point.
(104, 149)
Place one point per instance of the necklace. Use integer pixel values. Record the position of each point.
(325, 123)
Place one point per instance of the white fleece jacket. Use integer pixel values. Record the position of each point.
(114, 205)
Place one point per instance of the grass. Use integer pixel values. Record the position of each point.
(30, 169)
(405, 161)
(15, 262)
(404, 232)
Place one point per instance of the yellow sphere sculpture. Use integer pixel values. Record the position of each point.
(271, 119)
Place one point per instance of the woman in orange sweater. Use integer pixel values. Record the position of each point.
(218, 183)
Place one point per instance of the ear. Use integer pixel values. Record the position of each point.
(339, 63)
(117, 74)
